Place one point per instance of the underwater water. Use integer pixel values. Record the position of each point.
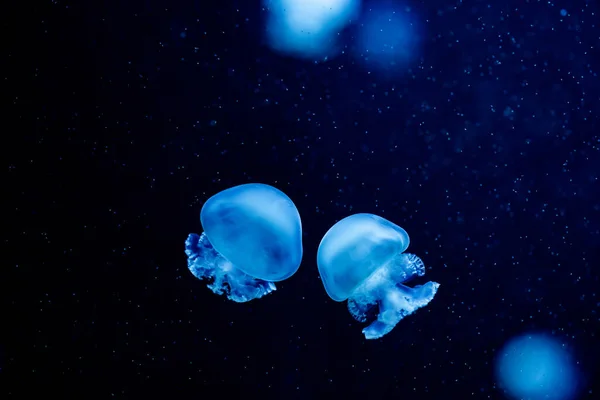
(133, 129)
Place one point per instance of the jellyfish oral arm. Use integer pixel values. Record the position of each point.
(395, 300)
(204, 262)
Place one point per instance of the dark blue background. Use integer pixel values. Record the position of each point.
(121, 128)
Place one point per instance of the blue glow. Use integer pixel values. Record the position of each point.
(563, 13)
(252, 237)
(388, 38)
(308, 28)
(535, 366)
(361, 259)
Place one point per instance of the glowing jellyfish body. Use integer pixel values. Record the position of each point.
(534, 367)
(252, 237)
(361, 260)
(307, 28)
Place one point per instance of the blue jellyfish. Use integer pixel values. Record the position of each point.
(360, 259)
(535, 366)
(252, 237)
(308, 28)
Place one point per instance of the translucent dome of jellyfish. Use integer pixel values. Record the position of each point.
(387, 38)
(252, 237)
(307, 28)
(361, 259)
(535, 366)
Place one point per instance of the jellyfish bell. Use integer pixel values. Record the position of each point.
(357, 245)
(257, 227)
(361, 259)
(252, 237)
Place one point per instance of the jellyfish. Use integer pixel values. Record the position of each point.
(308, 29)
(536, 366)
(361, 259)
(252, 238)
